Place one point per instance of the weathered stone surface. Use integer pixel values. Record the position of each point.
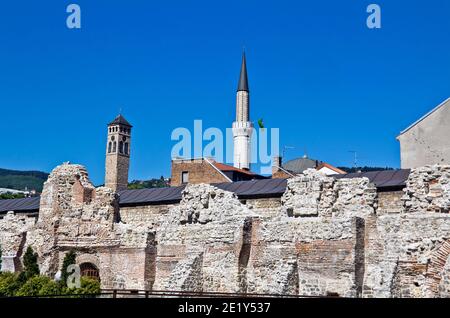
(308, 194)
(325, 236)
(13, 235)
(428, 189)
(314, 194)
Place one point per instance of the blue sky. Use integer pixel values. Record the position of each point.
(316, 72)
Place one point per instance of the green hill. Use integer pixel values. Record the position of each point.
(20, 180)
(146, 184)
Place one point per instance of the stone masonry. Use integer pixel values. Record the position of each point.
(324, 237)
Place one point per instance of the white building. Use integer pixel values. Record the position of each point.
(427, 141)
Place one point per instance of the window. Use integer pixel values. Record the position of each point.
(121, 146)
(184, 177)
(114, 146)
(126, 148)
(109, 147)
(89, 270)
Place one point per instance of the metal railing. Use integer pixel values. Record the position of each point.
(132, 293)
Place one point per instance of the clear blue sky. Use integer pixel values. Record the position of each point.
(316, 72)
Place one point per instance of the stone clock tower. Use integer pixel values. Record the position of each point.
(118, 154)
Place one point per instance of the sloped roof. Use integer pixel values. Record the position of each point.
(444, 103)
(224, 167)
(299, 165)
(120, 120)
(383, 180)
(20, 205)
(327, 165)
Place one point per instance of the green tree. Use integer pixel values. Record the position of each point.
(30, 264)
(39, 286)
(9, 284)
(88, 286)
(69, 259)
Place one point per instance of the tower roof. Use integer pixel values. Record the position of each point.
(243, 80)
(120, 120)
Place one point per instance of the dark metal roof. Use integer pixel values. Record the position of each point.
(243, 79)
(255, 188)
(264, 188)
(299, 165)
(20, 205)
(120, 120)
(150, 196)
(383, 180)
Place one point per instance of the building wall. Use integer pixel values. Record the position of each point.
(199, 170)
(280, 174)
(149, 214)
(390, 202)
(428, 141)
(323, 237)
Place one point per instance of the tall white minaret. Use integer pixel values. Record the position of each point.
(242, 127)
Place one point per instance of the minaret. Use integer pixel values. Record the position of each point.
(118, 154)
(242, 127)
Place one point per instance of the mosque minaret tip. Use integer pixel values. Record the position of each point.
(242, 127)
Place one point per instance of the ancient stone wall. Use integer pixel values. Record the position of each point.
(145, 214)
(324, 236)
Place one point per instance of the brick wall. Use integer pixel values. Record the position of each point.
(390, 202)
(143, 214)
(199, 171)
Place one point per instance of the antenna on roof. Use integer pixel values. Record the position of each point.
(120, 110)
(355, 159)
(285, 148)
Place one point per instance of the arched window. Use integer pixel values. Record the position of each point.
(109, 147)
(89, 270)
(126, 148)
(121, 146)
(114, 146)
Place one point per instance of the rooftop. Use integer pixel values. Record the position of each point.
(388, 180)
(120, 120)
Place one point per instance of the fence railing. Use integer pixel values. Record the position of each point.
(132, 293)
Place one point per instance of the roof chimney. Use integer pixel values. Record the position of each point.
(276, 164)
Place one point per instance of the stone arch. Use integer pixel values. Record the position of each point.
(436, 268)
(88, 258)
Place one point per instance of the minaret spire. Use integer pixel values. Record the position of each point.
(243, 79)
(242, 127)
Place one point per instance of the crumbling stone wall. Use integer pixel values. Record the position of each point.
(307, 256)
(325, 236)
(209, 222)
(315, 194)
(144, 214)
(428, 189)
(13, 235)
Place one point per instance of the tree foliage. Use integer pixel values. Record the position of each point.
(39, 286)
(145, 184)
(30, 264)
(69, 259)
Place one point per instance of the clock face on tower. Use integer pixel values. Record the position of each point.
(124, 138)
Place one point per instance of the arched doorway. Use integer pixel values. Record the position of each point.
(89, 270)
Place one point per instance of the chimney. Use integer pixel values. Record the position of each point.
(276, 164)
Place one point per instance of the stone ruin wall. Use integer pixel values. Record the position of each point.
(325, 236)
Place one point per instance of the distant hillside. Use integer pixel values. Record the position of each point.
(145, 184)
(364, 169)
(20, 180)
